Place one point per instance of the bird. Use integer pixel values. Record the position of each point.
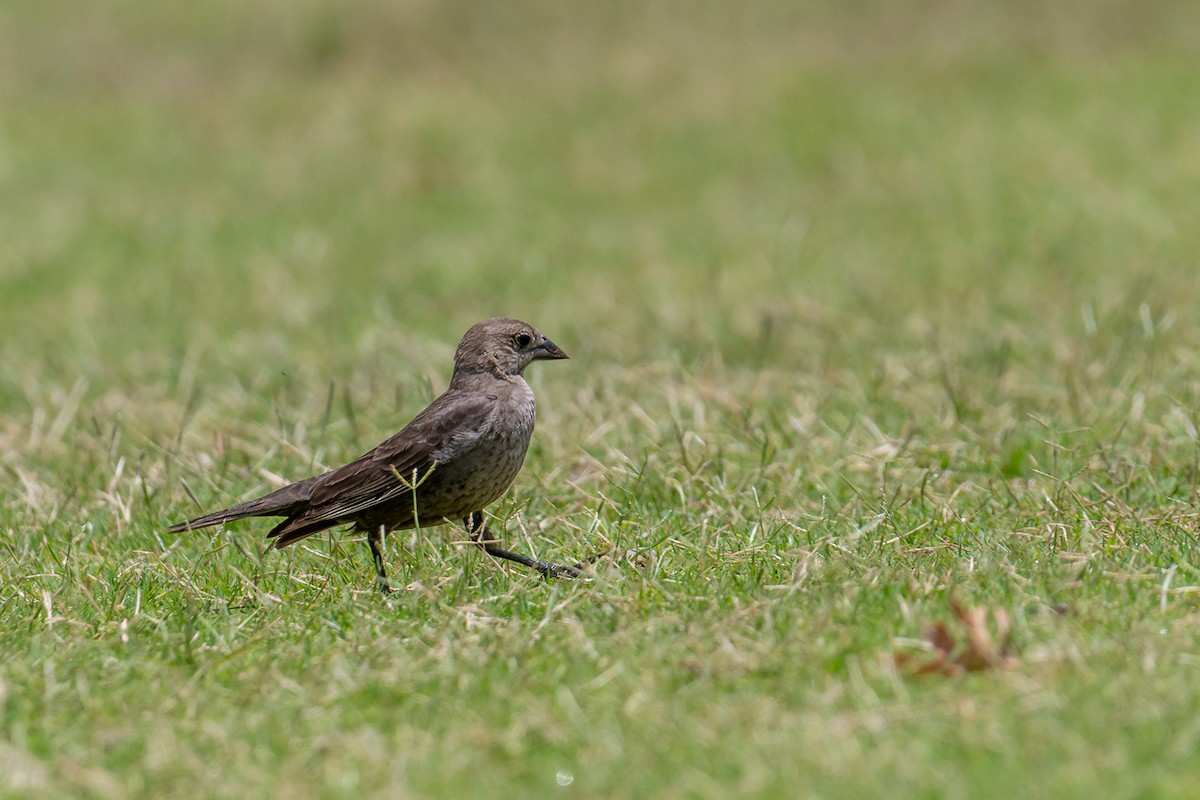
(446, 465)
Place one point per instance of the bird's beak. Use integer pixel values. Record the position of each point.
(548, 351)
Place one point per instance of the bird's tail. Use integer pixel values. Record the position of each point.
(280, 503)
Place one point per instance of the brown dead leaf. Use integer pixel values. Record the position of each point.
(976, 651)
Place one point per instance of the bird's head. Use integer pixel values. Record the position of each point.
(503, 347)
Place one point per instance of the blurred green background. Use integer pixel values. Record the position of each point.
(282, 182)
(868, 303)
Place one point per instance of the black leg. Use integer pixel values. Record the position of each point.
(375, 542)
(483, 537)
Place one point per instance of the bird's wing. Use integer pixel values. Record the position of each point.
(439, 434)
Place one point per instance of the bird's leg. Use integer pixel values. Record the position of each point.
(482, 536)
(375, 542)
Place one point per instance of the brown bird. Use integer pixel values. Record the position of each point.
(455, 457)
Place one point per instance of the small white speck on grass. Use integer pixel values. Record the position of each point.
(564, 778)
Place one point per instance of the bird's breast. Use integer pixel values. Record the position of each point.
(485, 468)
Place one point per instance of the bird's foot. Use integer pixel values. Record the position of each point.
(483, 538)
(550, 571)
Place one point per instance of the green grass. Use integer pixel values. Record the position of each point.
(870, 305)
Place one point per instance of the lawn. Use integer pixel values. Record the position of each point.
(873, 309)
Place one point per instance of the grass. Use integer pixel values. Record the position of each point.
(870, 305)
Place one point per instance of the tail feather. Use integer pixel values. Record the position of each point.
(281, 503)
(294, 528)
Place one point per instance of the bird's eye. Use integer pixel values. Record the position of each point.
(524, 340)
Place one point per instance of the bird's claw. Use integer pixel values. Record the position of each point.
(550, 571)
